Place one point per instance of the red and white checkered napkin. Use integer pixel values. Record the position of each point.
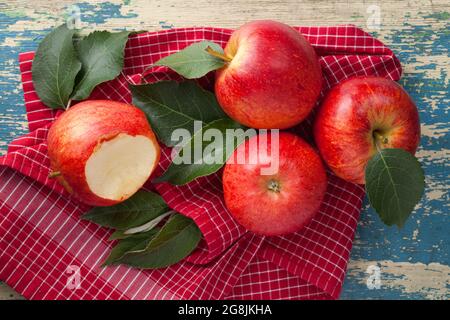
(45, 248)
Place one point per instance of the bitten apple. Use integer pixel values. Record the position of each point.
(360, 115)
(283, 201)
(272, 79)
(102, 151)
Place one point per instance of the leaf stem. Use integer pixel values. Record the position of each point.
(68, 104)
(219, 55)
(54, 174)
(149, 225)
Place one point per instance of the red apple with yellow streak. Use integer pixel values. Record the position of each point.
(360, 115)
(279, 202)
(102, 151)
(272, 78)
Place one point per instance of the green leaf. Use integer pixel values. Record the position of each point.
(193, 61)
(101, 54)
(131, 242)
(170, 105)
(394, 184)
(139, 209)
(199, 158)
(55, 66)
(175, 241)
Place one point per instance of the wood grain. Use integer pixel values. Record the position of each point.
(414, 261)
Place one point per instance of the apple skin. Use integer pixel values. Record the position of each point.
(357, 115)
(274, 78)
(301, 179)
(75, 135)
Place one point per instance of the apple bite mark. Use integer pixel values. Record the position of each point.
(119, 167)
(102, 151)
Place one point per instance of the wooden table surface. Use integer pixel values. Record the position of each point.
(414, 262)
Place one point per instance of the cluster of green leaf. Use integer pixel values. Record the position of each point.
(142, 243)
(65, 70)
(169, 106)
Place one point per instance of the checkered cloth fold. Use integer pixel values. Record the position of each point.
(45, 248)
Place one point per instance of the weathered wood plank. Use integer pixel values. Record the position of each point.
(414, 261)
(6, 293)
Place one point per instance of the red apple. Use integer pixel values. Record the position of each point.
(283, 201)
(273, 78)
(102, 151)
(360, 114)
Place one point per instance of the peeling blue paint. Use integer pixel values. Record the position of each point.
(165, 25)
(99, 13)
(12, 104)
(441, 15)
(376, 242)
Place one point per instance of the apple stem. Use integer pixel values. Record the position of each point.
(219, 55)
(380, 140)
(54, 174)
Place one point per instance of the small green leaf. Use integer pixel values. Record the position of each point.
(170, 105)
(394, 184)
(101, 54)
(55, 66)
(193, 61)
(131, 242)
(175, 241)
(139, 209)
(199, 158)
